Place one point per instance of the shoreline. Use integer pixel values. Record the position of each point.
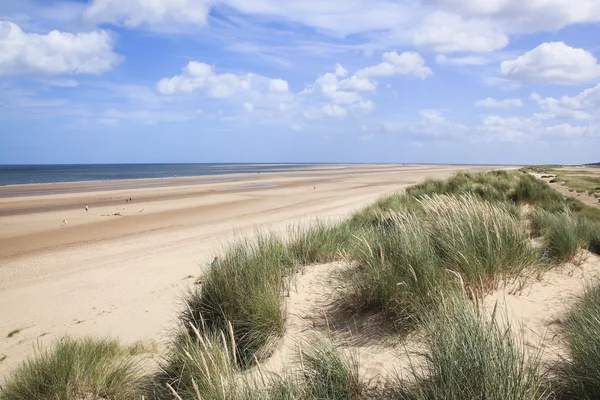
(301, 167)
(310, 167)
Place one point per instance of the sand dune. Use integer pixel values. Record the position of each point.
(124, 275)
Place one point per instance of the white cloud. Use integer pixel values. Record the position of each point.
(340, 71)
(445, 32)
(526, 16)
(363, 107)
(354, 83)
(553, 62)
(198, 75)
(333, 110)
(340, 91)
(584, 106)
(160, 14)
(407, 63)
(514, 129)
(278, 86)
(248, 107)
(505, 104)
(460, 61)
(54, 53)
(431, 123)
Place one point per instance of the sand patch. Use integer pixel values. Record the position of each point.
(311, 308)
(535, 312)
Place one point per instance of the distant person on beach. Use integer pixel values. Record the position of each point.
(64, 222)
(215, 262)
(86, 208)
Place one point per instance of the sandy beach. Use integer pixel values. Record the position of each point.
(123, 276)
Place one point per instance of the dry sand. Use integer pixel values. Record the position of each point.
(123, 276)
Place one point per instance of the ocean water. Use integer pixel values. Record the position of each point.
(27, 174)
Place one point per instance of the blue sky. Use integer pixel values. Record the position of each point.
(453, 81)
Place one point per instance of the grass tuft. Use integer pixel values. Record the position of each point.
(245, 289)
(76, 369)
(578, 377)
(472, 356)
(480, 240)
(328, 373)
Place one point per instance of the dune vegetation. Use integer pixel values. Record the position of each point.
(421, 259)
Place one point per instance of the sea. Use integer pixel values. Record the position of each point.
(31, 174)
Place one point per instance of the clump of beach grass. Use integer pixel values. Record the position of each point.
(578, 376)
(76, 369)
(320, 242)
(246, 289)
(327, 372)
(470, 355)
(396, 271)
(565, 234)
(460, 240)
(480, 240)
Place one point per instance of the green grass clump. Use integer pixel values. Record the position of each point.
(202, 366)
(530, 190)
(246, 289)
(402, 270)
(76, 369)
(589, 232)
(376, 214)
(320, 242)
(471, 356)
(564, 234)
(578, 377)
(482, 241)
(329, 374)
(397, 271)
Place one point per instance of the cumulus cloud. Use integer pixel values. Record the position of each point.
(198, 75)
(446, 32)
(505, 104)
(553, 62)
(333, 110)
(162, 14)
(584, 106)
(278, 86)
(344, 91)
(54, 53)
(407, 63)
